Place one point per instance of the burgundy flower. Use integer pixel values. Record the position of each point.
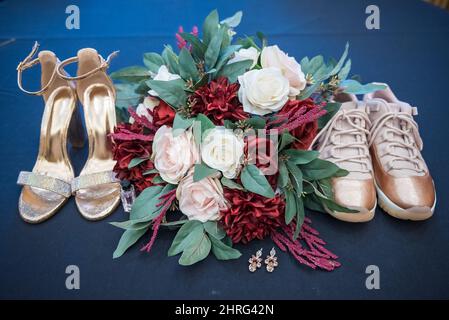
(305, 133)
(219, 101)
(163, 114)
(125, 150)
(251, 216)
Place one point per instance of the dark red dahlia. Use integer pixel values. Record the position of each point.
(124, 150)
(219, 101)
(251, 216)
(305, 133)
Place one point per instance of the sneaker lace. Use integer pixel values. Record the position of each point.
(358, 121)
(404, 135)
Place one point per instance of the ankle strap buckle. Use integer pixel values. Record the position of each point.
(103, 65)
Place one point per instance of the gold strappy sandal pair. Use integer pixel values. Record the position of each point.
(52, 180)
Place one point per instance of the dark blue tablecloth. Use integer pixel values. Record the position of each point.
(410, 52)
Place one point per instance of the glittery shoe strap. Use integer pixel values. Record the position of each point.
(44, 182)
(92, 180)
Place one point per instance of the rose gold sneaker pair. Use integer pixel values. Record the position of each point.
(378, 142)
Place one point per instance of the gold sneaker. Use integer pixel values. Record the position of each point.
(404, 186)
(344, 141)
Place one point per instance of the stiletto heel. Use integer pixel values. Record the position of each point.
(96, 190)
(48, 186)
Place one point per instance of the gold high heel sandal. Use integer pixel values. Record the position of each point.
(96, 190)
(47, 187)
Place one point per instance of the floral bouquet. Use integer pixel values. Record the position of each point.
(217, 147)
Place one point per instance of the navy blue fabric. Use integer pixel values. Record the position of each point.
(410, 52)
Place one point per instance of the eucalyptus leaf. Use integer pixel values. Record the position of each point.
(301, 156)
(210, 26)
(233, 21)
(286, 139)
(213, 49)
(253, 180)
(128, 238)
(344, 72)
(202, 171)
(198, 250)
(131, 74)
(180, 124)
(290, 206)
(187, 66)
(256, 122)
(135, 162)
(214, 230)
(153, 61)
(190, 228)
(355, 87)
(171, 59)
(300, 215)
(223, 251)
(283, 178)
(198, 48)
(319, 169)
(233, 70)
(331, 109)
(296, 175)
(231, 184)
(171, 92)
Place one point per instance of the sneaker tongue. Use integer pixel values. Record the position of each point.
(405, 167)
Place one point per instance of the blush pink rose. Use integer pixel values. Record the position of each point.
(274, 57)
(202, 200)
(173, 156)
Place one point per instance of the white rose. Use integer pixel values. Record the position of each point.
(143, 108)
(263, 91)
(173, 156)
(163, 75)
(223, 150)
(246, 54)
(272, 56)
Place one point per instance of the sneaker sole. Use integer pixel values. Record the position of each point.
(364, 215)
(414, 213)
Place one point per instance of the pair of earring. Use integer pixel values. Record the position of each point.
(255, 262)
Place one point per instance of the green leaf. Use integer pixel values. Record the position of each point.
(203, 124)
(202, 171)
(286, 139)
(131, 74)
(214, 230)
(198, 48)
(296, 174)
(343, 74)
(253, 180)
(135, 162)
(290, 208)
(126, 95)
(233, 70)
(223, 251)
(301, 156)
(198, 250)
(231, 184)
(228, 124)
(171, 92)
(319, 169)
(343, 57)
(309, 91)
(187, 66)
(262, 38)
(180, 124)
(171, 59)
(181, 240)
(355, 87)
(210, 26)
(150, 172)
(153, 61)
(226, 55)
(332, 205)
(157, 180)
(331, 109)
(145, 204)
(131, 225)
(233, 21)
(256, 122)
(300, 214)
(129, 237)
(283, 178)
(312, 202)
(213, 49)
